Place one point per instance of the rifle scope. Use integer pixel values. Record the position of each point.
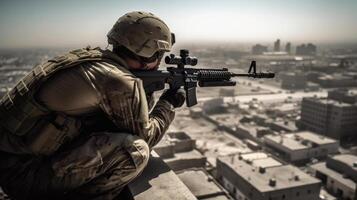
(182, 60)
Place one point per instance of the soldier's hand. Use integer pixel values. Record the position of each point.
(176, 97)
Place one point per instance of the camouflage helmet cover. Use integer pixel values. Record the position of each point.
(142, 33)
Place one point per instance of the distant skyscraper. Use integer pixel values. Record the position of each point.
(288, 47)
(277, 45)
(259, 49)
(309, 49)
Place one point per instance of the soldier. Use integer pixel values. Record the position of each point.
(78, 126)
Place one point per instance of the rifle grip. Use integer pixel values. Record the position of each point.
(191, 98)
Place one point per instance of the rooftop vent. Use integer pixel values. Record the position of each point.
(296, 177)
(272, 182)
(261, 170)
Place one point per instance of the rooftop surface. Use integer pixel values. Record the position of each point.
(330, 101)
(260, 159)
(347, 159)
(300, 140)
(202, 185)
(159, 182)
(285, 175)
(188, 155)
(315, 138)
(211, 141)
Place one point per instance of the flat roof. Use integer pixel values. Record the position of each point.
(227, 119)
(158, 181)
(288, 125)
(296, 141)
(347, 159)
(266, 162)
(322, 168)
(260, 159)
(287, 141)
(330, 101)
(316, 138)
(253, 156)
(283, 174)
(194, 154)
(201, 184)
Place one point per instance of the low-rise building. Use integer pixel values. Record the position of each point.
(283, 126)
(336, 80)
(203, 185)
(257, 176)
(302, 146)
(178, 150)
(214, 106)
(293, 81)
(339, 175)
(343, 95)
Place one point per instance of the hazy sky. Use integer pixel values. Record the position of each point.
(27, 23)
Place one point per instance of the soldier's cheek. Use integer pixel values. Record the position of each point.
(153, 65)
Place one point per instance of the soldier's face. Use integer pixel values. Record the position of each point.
(137, 65)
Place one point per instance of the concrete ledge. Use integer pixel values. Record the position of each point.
(159, 182)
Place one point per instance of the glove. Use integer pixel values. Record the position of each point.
(176, 97)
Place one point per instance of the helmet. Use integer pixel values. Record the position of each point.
(142, 33)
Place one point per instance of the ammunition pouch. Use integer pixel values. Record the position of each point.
(49, 133)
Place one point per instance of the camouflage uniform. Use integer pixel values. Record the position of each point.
(106, 131)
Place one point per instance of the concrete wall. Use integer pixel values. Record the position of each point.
(181, 141)
(334, 185)
(231, 179)
(234, 191)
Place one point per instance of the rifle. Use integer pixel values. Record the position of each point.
(188, 78)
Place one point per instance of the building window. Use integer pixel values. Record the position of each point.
(297, 194)
(283, 196)
(309, 191)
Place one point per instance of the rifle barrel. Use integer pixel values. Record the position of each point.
(255, 75)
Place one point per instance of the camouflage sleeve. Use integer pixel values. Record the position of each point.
(126, 103)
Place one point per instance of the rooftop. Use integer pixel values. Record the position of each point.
(330, 101)
(316, 138)
(211, 141)
(202, 185)
(322, 168)
(300, 140)
(347, 159)
(259, 159)
(158, 182)
(284, 176)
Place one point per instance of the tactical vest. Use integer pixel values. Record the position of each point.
(42, 130)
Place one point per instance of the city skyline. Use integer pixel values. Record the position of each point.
(51, 23)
